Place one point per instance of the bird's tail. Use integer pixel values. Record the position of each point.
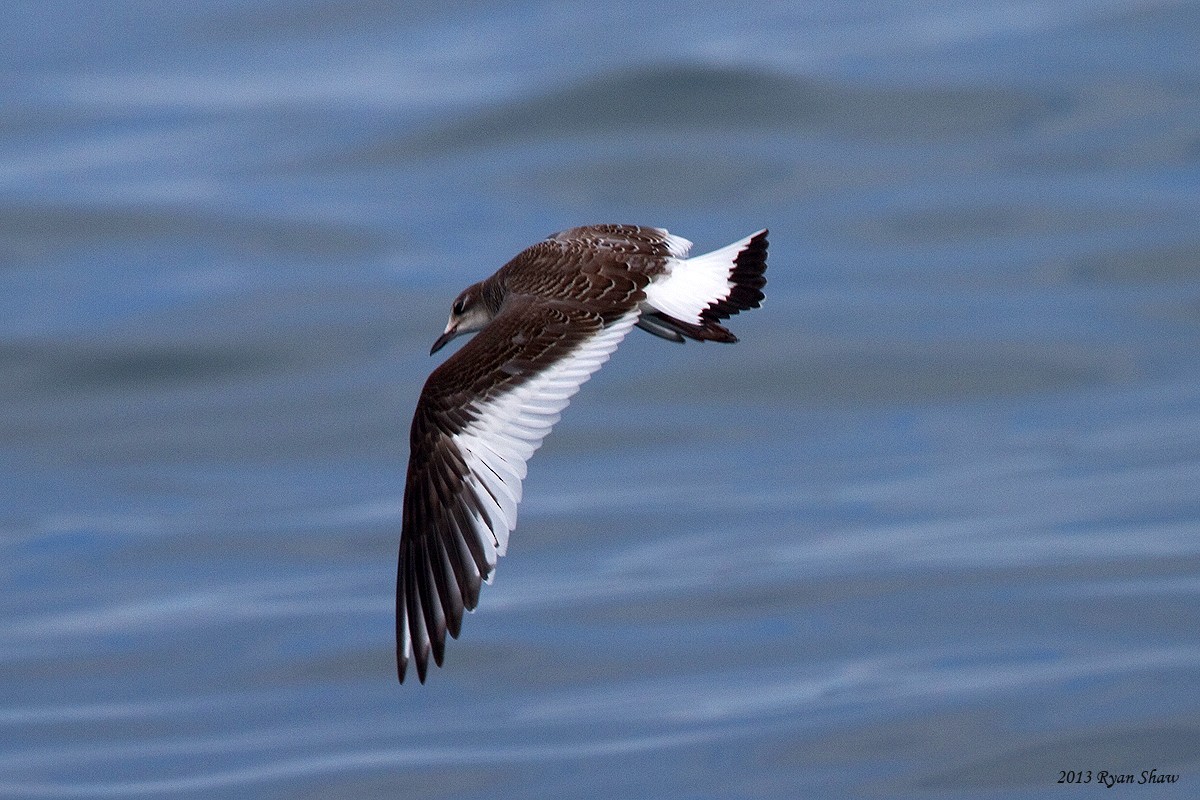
(699, 292)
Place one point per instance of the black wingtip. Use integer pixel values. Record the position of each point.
(748, 277)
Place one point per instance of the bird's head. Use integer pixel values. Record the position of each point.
(469, 313)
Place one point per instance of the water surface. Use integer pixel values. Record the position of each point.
(929, 530)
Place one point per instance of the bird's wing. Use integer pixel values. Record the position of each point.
(603, 267)
(627, 239)
(481, 415)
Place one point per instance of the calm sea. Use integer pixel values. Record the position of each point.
(931, 529)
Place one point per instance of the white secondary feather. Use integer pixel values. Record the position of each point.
(676, 245)
(509, 428)
(691, 285)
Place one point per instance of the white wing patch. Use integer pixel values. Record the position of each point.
(691, 285)
(676, 245)
(509, 428)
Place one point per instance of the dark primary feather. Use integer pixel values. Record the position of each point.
(748, 278)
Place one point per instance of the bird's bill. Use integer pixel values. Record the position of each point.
(450, 332)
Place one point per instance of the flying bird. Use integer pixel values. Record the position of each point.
(547, 320)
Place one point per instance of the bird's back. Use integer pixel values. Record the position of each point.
(604, 267)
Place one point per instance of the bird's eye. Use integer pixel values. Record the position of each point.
(460, 305)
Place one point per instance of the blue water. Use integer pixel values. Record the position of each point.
(931, 529)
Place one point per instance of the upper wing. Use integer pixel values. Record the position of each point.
(481, 415)
(626, 239)
(605, 268)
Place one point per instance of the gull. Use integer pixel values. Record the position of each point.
(547, 320)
